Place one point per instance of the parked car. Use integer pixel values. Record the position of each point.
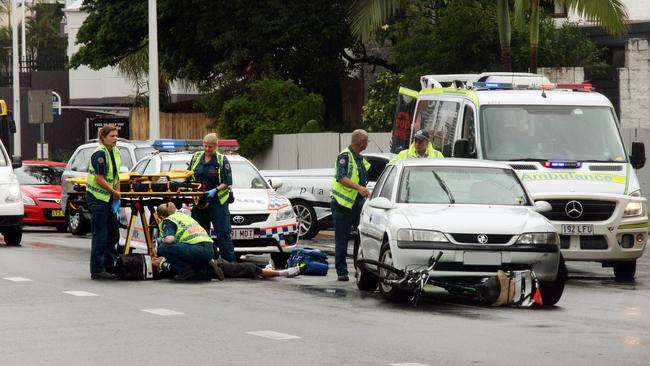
(478, 213)
(309, 191)
(11, 206)
(40, 185)
(78, 222)
(262, 220)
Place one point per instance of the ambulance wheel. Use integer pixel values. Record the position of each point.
(552, 291)
(307, 220)
(280, 260)
(624, 271)
(13, 236)
(77, 224)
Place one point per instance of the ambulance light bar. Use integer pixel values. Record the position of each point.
(576, 86)
(562, 164)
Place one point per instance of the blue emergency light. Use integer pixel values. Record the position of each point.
(492, 85)
(170, 145)
(562, 164)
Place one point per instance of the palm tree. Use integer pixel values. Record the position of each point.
(609, 14)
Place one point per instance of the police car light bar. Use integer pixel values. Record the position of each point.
(170, 144)
(576, 86)
(562, 164)
(492, 85)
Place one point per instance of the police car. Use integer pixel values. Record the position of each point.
(262, 220)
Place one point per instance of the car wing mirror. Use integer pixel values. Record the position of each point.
(637, 159)
(542, 206)
(275, 182)
(16, 161)
(381, 203)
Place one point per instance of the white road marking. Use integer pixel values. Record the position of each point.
(79, 293)
(272, 335)
(408, 364)
(17, 279)
(162, 312)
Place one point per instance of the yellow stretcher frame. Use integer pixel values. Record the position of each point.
(138, 200)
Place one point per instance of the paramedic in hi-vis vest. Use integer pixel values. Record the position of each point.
(213, 170)
(420, 148)
(103, 200)
(348, 195)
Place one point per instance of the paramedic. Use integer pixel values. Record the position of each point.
(103, 199)
(213, 170)
(420, 148)
(348, 195)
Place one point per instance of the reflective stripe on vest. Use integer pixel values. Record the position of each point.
(112, 178)
(188, 231)
(345, 196)
(223, 194)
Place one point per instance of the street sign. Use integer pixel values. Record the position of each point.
(56, 103)
(39, 103)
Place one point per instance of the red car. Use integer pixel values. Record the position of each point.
(40, 183)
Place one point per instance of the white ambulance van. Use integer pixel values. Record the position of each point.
(564, 142)
(11, 200)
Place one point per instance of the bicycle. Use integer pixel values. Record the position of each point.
(519, 288)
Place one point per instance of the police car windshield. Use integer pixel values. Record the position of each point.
(575, 133)
(245, 176)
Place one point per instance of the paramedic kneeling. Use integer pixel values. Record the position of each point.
(185, 245)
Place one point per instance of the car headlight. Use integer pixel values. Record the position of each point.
(421, 235)
(14, 193)
(28, 201)
(634, 208)
(285, 213)
(539, 238)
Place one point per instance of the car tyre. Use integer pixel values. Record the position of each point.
(76, 222)
(280, 260)
(307, 220)
(13, 236)
(365, 281)
(552, 291)
(390, 293)
(625, 271)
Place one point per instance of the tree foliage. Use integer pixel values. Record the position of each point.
(266, 107)
(382, 100)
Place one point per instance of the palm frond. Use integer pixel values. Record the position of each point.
(369, 15)
(609, 14)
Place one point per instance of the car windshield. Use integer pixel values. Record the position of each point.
(575, 133)
(244, 175)
(39, 175)
(141, 152)
(461, 185)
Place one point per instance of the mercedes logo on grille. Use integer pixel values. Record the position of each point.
(238, 219)
(482, 238)
(573, 209)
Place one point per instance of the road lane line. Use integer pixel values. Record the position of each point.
(17, 279)
(408, 364)
(272, 335)
(161, 312)
(79, 293)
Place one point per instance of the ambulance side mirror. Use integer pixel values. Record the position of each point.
(637, 159)
(461, 148)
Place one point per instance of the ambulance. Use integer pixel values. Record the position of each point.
(563, 140)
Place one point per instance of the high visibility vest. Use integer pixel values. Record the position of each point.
(111, 177)
(188, 231)
(411, 153)
(343, 195)
(223, 194)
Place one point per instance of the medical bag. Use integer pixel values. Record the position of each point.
(134, 267)
(314, 261)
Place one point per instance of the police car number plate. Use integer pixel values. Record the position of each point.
(243, 234)
(577, 229)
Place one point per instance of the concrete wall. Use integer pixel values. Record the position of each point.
(563, 74)
(313, 150)
(635, 85)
